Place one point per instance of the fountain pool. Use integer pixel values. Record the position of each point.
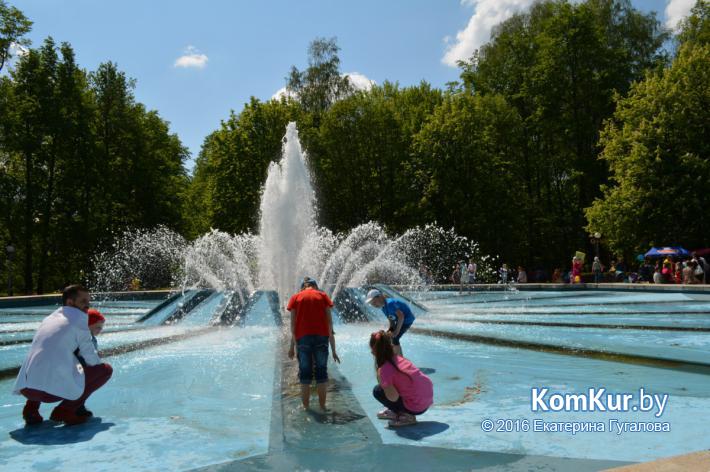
(225, 398)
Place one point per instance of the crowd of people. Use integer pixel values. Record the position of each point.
(669, 270)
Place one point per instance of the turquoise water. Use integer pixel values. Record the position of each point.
(226, 398)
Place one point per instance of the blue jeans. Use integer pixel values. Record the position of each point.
(398, 407)
(393, 326)
(312, 350)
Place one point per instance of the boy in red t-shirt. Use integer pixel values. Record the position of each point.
(311, 329)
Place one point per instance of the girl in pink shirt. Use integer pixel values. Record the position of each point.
(401, 387)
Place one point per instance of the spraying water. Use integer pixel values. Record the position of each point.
(287, 218)
(288, 247)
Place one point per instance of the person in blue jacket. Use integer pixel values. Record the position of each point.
(397, 312)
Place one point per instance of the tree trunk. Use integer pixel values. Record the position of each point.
(43, 255)
(28, 222)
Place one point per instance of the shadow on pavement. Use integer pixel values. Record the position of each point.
(50, 433)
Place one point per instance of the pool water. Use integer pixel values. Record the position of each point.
(226, 398)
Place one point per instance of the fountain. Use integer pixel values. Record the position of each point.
(289, 246)
(192, 396)
(287, 213)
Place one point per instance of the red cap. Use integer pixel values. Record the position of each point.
(95, 316)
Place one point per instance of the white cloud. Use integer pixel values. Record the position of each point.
(282, 92)
(677, 10)
(486, 15)
(17, 50)
(191, 58)
(358, 80)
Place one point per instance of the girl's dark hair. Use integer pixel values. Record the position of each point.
(382, 347)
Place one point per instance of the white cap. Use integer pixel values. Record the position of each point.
(374, 293)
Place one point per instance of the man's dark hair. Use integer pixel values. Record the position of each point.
(71, 291)
(308, 282)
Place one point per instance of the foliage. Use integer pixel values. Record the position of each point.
(82, 161)
(13, 27)
(657, 149)
(321, 84)
(560, 65)
(232, 166)
(570, 106)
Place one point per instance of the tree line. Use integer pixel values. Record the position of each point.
(80, 160)
(576, 117)
(544, 140)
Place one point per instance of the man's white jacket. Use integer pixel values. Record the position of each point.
(51, 365)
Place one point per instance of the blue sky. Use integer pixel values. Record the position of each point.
(232, 50)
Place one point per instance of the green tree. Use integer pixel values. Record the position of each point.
(363, 147)
(81, 161)
(468, 151)
(13, 27)
(657, 149)
(71, 213)
(321, 84)
(560, 65)
(696, 26)
(232, 165)
(25, 140)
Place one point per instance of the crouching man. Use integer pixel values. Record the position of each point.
(52, 373)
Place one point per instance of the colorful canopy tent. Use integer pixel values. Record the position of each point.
(667, 252)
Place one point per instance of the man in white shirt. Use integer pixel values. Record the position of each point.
(52, 373)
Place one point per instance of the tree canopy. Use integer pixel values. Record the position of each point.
(656, 147)
(576, 117)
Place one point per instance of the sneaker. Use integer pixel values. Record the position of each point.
(403, 419)
(82, 411)
(387, 414)
(31, 415)
(66, 416)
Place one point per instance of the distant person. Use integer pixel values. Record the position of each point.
(576, 270)
(455, 277)
(311, 330)
(522, 275)
(703, 269)
(646, 271)
(398, 314)
(597, 270)
(667, 271)
(678, 272)
(657, 275)
(52, 373)
(402, 388)
(688, 275)
(472, 269)
(503, 274)
(620, 265)
(135, 284)
(557, 276)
